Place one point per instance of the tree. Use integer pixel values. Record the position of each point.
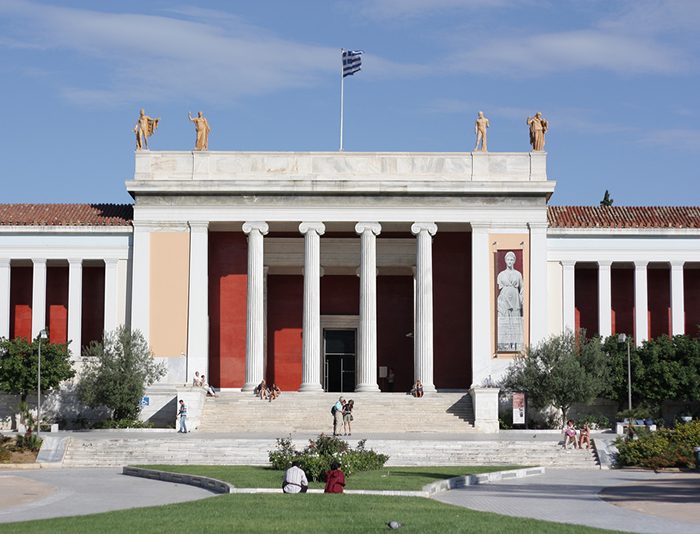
(116, 373)
(559, 372)
(18, 366)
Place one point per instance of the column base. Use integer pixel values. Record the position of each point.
(249, 387)
(363, 388)
(485, 402)
(429, 388)
(310, 388)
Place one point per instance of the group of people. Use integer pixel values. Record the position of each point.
(295, 480)
(584, 435)
(342, 416)
(266, 392)
(200, 381)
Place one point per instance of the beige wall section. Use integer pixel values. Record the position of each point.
(510, 242)
(554, 294)
(169, 292)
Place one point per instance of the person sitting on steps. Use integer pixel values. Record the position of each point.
(274, 392)
(417, 389)
(261, 390)
(570, 434)
(584, 436)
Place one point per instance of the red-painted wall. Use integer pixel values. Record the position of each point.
(340, 295)
(394, 321)
(452, 317)
(586, 298)
(285, 309)
(57, 303)
(21, 302)
(691, 288)
(228, 265)
(659, 299)
(93, 319)
(622, 281)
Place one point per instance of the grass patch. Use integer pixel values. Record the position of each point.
(387, 478)
(296, 513)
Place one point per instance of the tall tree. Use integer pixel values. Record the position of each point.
(559, 372)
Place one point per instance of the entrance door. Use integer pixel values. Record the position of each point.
(339, 350)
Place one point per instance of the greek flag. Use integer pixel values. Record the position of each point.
(352, 61)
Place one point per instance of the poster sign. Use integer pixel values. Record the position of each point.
(510, 296)
(519, 408)
(145, 401)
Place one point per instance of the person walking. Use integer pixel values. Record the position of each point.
(335, 479)
(182, 413)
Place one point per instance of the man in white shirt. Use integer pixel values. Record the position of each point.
(295, 480)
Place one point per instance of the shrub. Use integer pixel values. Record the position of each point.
(124, 423)
(318, 455)
(664, 448)
(28, 442)
(594, 422)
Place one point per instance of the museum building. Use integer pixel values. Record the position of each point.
(326, 271)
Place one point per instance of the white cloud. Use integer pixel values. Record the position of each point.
(393, 9)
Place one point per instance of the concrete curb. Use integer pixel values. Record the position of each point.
(53, 449)
(484, 478)
(606, 451)
(211, 484)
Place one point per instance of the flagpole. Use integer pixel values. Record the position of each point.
(342, 103)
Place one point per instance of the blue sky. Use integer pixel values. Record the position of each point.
(617, 80)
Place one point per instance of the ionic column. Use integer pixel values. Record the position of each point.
(311, 352)
(367, 353)
(482, 334)
(75, 306)
(423, 332)
(538, 282)
(198, 316)
(255, 322)
(111, 284)
(641, 303)
(604, 299)
(568, 295)
(5, 271)
(38, 296)
(677, 298)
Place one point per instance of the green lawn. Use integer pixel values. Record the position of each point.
(388, 478)
(295, 513)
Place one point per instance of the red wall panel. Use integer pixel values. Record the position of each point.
(622, 281)
(586, 298)
(452, 317)
(340, 295)
(394, 321)
(285, 309)
(93, 319)
(659, 299)
(691, 288)
(21, 302)
(57, 303)
(228, 265)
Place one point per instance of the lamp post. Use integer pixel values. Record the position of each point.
(43, 335)
(622, 338)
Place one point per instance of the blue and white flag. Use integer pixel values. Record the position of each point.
(352, 61)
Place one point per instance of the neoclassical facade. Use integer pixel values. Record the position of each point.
(330, 271)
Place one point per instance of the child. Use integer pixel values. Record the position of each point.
(570, 434)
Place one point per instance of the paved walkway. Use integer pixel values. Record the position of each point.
(574, 496)
(45, 493)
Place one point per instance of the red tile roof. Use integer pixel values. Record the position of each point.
(624, 216)
(66, 214)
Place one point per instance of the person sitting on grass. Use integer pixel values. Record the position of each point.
(335, 479)
(295, 479)
(261, 390)
(569, 434)
(584, 436)
(274, 392)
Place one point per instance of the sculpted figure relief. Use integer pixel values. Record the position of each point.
(480, 130)
(202, 127)
(509, 306)
(538, 127)
(145, 127)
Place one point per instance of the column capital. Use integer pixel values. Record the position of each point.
(374, 227)
(419, 227)
(604, 263)
(480, 227)
(317, 227)
(568, 264)
(641, 264)
(677, 264)
(199, 226)
(260, 226)
(110, 261)
(39, 261)
(5, 262)
(75, 261)
(538, 225)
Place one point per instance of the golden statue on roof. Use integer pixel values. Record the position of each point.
(145, 128)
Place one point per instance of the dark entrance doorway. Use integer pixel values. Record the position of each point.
(339, 359)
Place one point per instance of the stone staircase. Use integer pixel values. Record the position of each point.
(199, 449)
(310, 412)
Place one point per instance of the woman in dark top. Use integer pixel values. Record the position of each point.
(335, 479)
(347, 417)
